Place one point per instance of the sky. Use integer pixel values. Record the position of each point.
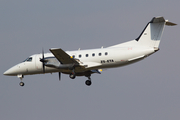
(147, 90)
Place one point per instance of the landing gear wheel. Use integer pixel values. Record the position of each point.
(21, 84)
(88, 82)
(72, 76)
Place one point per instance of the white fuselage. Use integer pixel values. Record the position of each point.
(114, 56)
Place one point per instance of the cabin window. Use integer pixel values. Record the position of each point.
(87, 55)
(93, 54)
(99, 54)
(106, 53)
(79, 56)
(73, 56)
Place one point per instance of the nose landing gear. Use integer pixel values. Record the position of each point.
(21, 77)
(21, 84)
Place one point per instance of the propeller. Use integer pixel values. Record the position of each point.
(43, 61)
(43, 64)
(59, 76)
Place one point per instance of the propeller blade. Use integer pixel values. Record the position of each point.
(59, 76)
(42, 53)
(43, 68)
(43, 61)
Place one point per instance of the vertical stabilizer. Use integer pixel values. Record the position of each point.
(152, 33)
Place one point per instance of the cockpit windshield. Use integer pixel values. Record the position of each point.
(29, 59)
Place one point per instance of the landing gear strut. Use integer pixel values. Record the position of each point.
(88, 82)
(21, 77)
(72, 75)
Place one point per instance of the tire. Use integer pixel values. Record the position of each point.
(72, 76)
(21, 84)
(88, 82)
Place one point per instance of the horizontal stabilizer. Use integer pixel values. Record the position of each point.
(170, 23)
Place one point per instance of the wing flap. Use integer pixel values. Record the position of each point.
(90, 64)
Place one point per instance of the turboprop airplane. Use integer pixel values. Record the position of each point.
(87, 62)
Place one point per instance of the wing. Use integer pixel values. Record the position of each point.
(63, 57)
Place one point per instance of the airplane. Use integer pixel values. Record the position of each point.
(90, 61)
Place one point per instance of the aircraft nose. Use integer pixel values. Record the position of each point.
(10, 72)
(5, 73)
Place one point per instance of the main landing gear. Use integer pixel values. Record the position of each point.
(72, 75)
(87, 82)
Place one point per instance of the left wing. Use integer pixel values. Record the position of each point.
(66, 59)
(63, 57)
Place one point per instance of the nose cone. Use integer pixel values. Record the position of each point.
(10, 72)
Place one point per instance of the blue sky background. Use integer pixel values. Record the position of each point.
(148, 90)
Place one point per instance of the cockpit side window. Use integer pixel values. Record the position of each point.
(29, 59)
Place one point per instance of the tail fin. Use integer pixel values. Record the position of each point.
(151, 35)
